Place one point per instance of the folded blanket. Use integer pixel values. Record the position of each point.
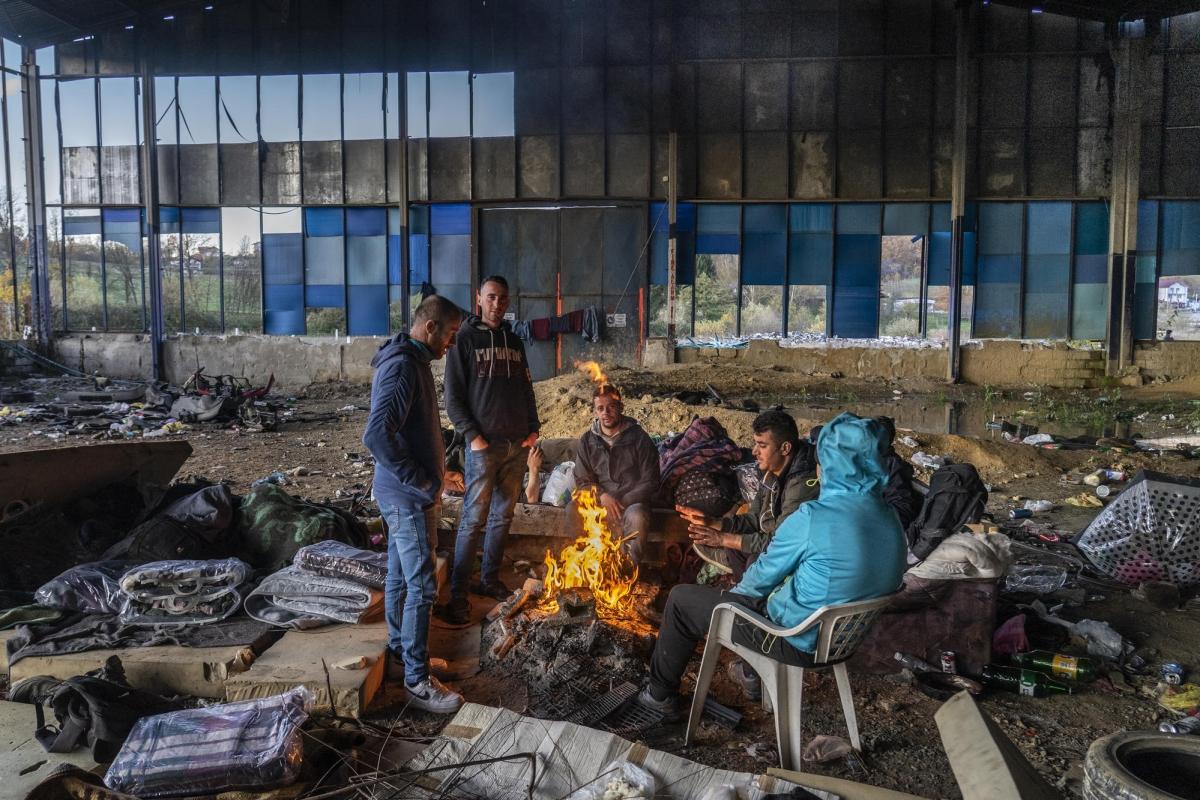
(251, 745)
(183, 592)
(337, 560)
(294, 598)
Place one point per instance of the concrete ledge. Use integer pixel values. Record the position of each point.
(165, 669)
(296, 659)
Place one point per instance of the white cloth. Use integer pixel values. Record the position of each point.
(967, 555)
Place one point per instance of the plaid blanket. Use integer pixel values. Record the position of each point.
(183, 592)
(337, 560)
(252, 744)
(702, 447)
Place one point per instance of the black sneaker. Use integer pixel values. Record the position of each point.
(456, 612)
(744, 676)
(495, 590)
(671, 709)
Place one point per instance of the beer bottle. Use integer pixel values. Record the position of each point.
(1057, 665)
(1022, 681)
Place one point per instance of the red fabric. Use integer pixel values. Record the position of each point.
(540, 329)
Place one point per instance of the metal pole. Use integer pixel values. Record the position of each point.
(402, 198)
(150, 201)
(1122, 228)
(672, 241)
(958, 185)
(35, 198)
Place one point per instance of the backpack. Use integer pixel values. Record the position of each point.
(99, 708)
(956, 497)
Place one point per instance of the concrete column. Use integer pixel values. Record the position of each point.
(153, 225)
(35, 198)
(958, 183)
(1130, 57)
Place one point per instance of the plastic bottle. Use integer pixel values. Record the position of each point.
(1022, 681)
(1115, 474)
(1185, 725)
(915, 664)
(1059, 665)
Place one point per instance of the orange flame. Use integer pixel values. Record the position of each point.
(592, 370)
(595, 560)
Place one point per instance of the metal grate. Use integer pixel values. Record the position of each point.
(591, 713)
(632, 720)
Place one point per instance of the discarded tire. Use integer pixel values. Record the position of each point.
(1142, 766)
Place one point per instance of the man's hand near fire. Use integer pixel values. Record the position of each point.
(613, 506)
(706, 531)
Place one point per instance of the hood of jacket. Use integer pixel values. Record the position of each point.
(848, 451)
(475, 322)
(396, 346)
(626, 424)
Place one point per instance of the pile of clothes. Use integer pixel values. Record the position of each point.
(327, 582)
(697, 468)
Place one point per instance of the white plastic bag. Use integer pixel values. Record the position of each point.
(560, 485)
(620, 780)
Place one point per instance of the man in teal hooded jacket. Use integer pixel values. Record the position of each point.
(847, 545)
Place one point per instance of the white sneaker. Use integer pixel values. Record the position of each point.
(433, 695)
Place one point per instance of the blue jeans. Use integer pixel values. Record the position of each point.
(411, 585)
(493, 477)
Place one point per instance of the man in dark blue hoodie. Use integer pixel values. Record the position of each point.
(489, 398)
(404, 434)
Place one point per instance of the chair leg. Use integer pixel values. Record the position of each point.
(843, 684)
(708, 665)
(787, 684)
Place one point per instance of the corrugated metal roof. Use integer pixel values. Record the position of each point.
(38, 23)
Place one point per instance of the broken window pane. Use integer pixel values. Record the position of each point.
(392, 106)
(85, 290)
(716, 294)
(44, 58)
(238, 105)
(449, 104)
(118, 112)
(77, 106)
(280, 115)
(1179, 307)
(54, 258)
(417, 107)
(52, 161)
(164, 111)
(492, 99)
(198, 110)
(683, 310)
(201, 253)
(322, 103)
(806, 309)
(123, 268)
(900, 285)
(762, 310)
(363, 106)
(170, 268)
(241, 247)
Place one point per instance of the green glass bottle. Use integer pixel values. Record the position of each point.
(1072, 668)
(1023, 681)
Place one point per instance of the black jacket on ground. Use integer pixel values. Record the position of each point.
(777, 498)
(627, 469)
(899, 492)
(404, 430)
(489, 391)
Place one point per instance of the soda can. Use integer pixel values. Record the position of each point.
(1114, 474)
(1020, 513)
(1185, 725)
(949, 662)
(1173, 673)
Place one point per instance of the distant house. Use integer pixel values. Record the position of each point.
(1175, 294)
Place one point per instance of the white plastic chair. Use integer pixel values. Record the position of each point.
(841, 629)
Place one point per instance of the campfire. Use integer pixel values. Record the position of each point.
(594, 561)
(593, 372)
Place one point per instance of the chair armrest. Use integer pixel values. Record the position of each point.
(759, 621)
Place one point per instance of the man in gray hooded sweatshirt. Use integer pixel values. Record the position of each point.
(489, 398)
